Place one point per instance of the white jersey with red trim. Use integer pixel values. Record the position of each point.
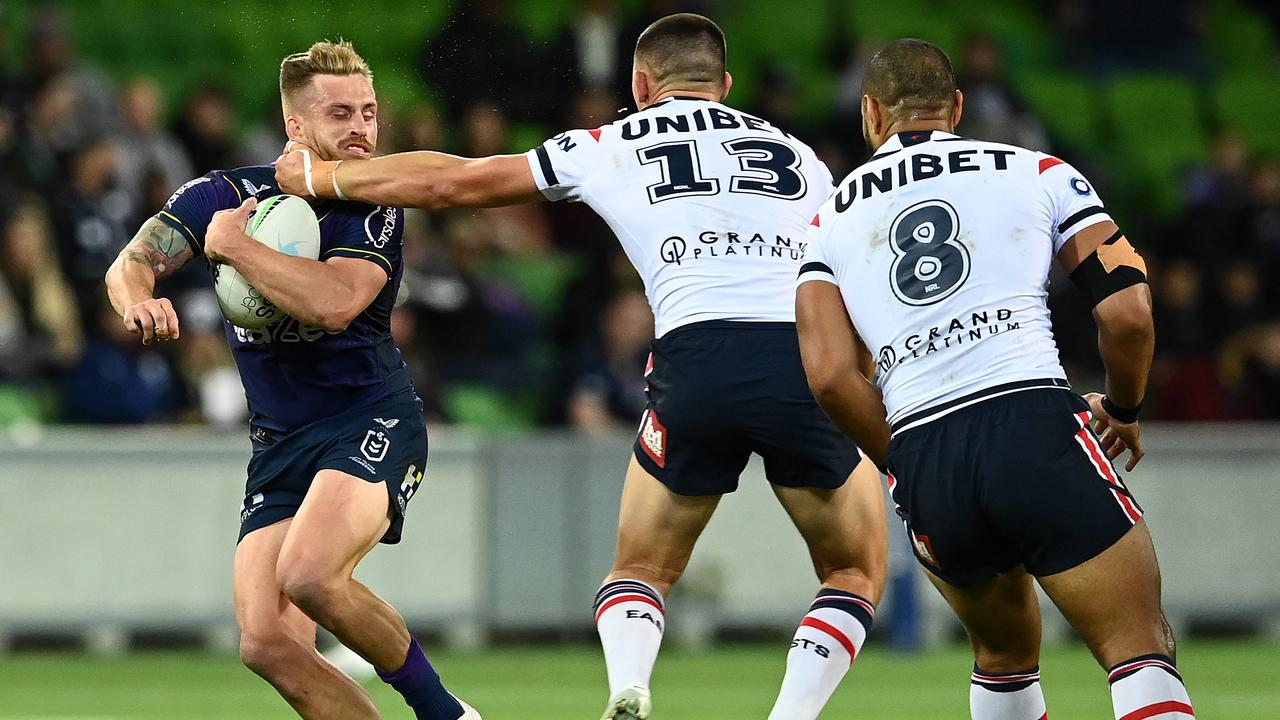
(941, 247)
(710, 204)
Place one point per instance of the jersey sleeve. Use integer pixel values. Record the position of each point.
(562, 165)
(1073, 203)
(191, 207)
(374, 234)
(818, 261)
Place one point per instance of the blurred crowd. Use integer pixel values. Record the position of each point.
(532, 315)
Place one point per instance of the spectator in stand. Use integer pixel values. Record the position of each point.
(608, 392)
(1262, 372)
(89, 217)
(1184, 377)
(1257, 230)
(1220, 187)
(481, 56)
(992, 110)
(51, 59)
(145, 147)
(205, 128)
(39, 319)
(423, 129)
(592, 51)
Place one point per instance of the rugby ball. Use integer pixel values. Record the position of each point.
(284, 223)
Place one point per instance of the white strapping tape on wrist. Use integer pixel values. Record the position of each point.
(306, 172)
(334, 176)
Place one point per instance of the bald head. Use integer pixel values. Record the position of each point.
(912, 79)
(682, 50)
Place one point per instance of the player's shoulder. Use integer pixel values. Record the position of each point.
(258, 181)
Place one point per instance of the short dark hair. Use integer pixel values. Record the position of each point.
(684, 47)
(912, 78)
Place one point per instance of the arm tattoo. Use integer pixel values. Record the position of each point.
(158, 247)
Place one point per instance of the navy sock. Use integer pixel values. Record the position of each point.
(419, 683)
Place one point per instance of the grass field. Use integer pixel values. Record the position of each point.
(1227, 680)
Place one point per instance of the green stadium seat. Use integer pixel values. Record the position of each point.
(1239, 38)
(540, 279)
(1158, 132)
(485, 408)
(1067, 104)
(1249, 104)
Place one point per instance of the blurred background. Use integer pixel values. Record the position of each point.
(527, 329)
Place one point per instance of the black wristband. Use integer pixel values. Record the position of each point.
(1125, 416)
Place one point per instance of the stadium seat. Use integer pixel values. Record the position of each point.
(541, 280)
(1249, 104)
(484, 408)
(1068, 106)
(1158, 133)
(1239, 38)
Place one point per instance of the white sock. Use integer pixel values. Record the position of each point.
(825, 645)
(630, 621)
(1149, 688)
(1006, 696)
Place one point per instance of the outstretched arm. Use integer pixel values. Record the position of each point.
(421, 179)
(155, 252)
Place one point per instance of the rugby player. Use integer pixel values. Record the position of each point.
(710, 205)
(339, 443)
(936, 253)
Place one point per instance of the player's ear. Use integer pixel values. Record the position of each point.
(293, 128)
(871, 115)
(728, 85)
(955, 116)
(640, 88)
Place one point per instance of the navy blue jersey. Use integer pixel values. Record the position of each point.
(293, 373)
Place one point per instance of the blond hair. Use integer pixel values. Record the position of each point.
(322, 58)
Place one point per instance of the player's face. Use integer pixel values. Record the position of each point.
(339, 117)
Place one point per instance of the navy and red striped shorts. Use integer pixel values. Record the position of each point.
(1018, 479)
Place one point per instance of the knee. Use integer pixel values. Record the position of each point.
(272, 655)
(316, 594)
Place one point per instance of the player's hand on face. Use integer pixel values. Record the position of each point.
(1115, 436)
(154, 320)
(291, 168)
(226, 229)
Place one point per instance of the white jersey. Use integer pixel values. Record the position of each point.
(711, 205)
(941, 248)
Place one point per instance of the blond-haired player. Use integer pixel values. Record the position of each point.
(339, 443)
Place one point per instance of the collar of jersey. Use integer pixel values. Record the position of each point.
(907, 138)
(664, 101)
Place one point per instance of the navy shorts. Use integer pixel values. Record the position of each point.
(385, 442)
(719, 391)
(1018, 479)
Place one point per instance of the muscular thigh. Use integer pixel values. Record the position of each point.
(657, 528)
(845, 528)
(261, 606)
(341, 519)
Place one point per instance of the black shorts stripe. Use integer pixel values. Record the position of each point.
(1087, 212)
(987, 392)
(815, 267)
(547, 171)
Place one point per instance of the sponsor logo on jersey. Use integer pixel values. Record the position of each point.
(960, 331)
(820, 649)
(287, 330)
(388, 424)
(653, 438)
(676, 250)
(252, 189)
(183, 188)
(388, 225)
(375, 445)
